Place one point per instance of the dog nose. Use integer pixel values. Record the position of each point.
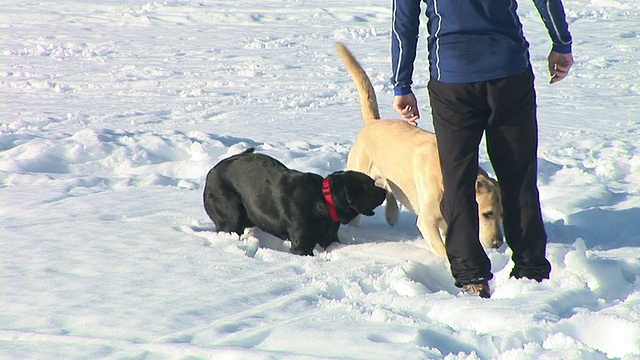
(497, 243)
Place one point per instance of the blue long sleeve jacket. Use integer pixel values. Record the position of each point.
(469, 40)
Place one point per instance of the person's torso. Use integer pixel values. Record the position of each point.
(475, 40)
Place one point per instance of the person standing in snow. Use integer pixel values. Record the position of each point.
(482, 82)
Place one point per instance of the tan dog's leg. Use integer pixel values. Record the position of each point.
(428, 227)
(442, 225)
(430, 222)
(391, 211)
(357, 160)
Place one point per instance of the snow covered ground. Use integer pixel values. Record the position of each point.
(113, 112)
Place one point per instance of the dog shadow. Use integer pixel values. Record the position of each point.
(374, 229)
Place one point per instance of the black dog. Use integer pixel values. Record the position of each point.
(249, 189)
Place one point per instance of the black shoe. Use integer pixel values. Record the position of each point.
(481, 290)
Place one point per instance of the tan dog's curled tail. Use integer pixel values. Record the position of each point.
(368, 101)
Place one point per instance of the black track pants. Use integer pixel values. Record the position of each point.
(506, 110)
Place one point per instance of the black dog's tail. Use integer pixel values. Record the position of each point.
(245, 152)
(248, 151)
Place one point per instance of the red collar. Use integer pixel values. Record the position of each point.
(326, 191)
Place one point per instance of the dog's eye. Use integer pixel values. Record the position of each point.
(488, 214)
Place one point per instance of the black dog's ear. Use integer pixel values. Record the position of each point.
(356, 201)
(362, 194)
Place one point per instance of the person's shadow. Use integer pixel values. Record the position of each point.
(601, 229)
(598, 224)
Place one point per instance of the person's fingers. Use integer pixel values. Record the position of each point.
(407, 110)
(558, 73)
(410, 114)
(555, 78)
(561, 69)
(406, 107)
(559, 65)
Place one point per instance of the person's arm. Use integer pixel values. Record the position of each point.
(404, 42)
(552, 13)
(405, 24)
(560, 58)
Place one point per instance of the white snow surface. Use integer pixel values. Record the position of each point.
(113, 112)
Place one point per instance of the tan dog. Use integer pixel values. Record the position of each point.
(404, 159)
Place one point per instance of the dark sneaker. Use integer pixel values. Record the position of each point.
(481, 290)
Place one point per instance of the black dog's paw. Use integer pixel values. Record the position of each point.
(326, 244)
(300, 251)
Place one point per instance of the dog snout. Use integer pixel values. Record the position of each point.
(497, 242)
(492, 243)
(491, 237)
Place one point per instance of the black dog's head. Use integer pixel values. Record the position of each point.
(355, 193)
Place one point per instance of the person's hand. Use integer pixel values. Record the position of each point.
(559, 65)
(407, 107)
